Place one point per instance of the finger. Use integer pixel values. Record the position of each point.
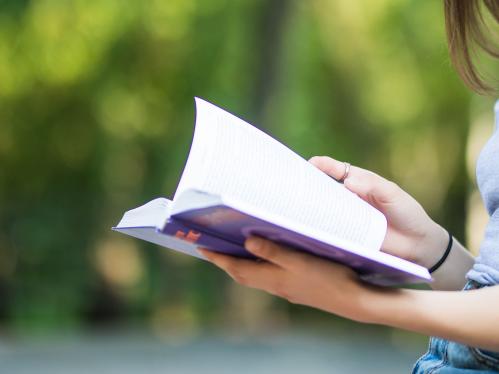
(373, 188)
(246, 272)
(337, 169)
(330, 166)
(368, 185)
(274, 253)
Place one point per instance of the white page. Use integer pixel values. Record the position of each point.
(231, 158)
(152, 214)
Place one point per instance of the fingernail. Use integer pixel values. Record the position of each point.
(252, 243)
(313, 159)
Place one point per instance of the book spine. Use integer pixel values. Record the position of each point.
(181, 231)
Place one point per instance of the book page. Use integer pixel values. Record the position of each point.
(152, 214)
(231, 158)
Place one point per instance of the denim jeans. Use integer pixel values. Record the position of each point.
(444, 356)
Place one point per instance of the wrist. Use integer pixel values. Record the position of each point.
(385, 306)
(432, 247)
(371, 303)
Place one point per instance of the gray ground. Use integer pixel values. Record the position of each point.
(139, 353)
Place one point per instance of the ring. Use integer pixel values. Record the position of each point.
(345, 174)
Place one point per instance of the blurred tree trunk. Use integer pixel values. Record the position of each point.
(272, 26)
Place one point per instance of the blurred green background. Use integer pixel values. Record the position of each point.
(97, 113)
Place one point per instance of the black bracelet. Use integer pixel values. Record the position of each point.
(445, 255)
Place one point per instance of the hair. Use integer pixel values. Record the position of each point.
(466, 30)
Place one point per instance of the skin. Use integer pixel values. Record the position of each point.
(308, 280)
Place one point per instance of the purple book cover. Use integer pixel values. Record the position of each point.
(224, 229)
(201, 238)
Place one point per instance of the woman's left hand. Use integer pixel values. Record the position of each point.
(298, 277)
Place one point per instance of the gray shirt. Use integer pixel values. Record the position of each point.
(486, 267)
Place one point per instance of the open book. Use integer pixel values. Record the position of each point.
(239, 181)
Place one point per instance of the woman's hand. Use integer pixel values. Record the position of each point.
(322, 284)
(411, 234)
(298, 277)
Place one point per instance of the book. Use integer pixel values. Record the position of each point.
(239, 181)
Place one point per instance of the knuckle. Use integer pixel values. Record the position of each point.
(390, 189)
(392, 186)
(378, 182)
(372, 177)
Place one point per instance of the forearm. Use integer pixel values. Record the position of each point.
(468, 317)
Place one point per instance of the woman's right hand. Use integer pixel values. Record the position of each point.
(411, 234)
